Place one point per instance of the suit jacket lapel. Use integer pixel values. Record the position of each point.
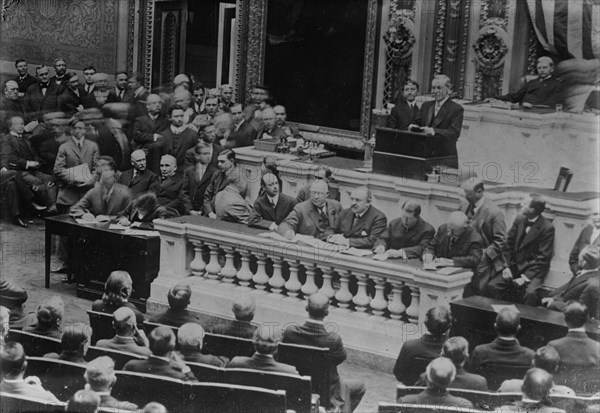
(534, 231)
(440, 115)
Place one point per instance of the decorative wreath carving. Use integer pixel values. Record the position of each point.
(400, 37)
(491, 47)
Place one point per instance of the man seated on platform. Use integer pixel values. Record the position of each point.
(265, 342)
(13, 367)
(361, 224)
(547, 359)
(163, 361)
(281, 121)
(544, 90)
(406, 237)
(271, 130)
(206, 134)
(196, 179)
(169, 188)
(227, 164)
(190, 338)
(143, 210)
(231, 204)
(323, 173)
(487, 219)
(147, 130)
(437, 321)
(583, 287)
(312, 217)
(139, 178)
(590, 234)
(223, 128)
(455, 244)
(177, 314)
(117, 291)
(273, 206)
(127, 336)
(528, 250)
(439, 375)
(441, 118)
(345, 394)
(536, 388)
(505, 349)
(177, 139)
(243, 133)
(107, 198)
(243, 307)
(406, 110)
(225, 96)
(579, 354)
(100, 378)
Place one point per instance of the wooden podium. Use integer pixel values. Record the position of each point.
(410, 154)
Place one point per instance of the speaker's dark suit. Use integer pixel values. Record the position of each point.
(364, 230)
(465, 251)
(305, 219)
(403, 114)
(195, 187)
(142, 182)
(413, 240)
(244, 136)
(265, 213)
(584, 239)
(447, 125)
(169, 192)
(158, 366)
(261, 362)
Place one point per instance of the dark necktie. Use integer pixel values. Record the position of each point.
(451, 243)
(324, 216)
(470, 211)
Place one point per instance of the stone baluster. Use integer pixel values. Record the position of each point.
(261, 278)
(197, 265)
(244, 275)
(213, 268)
(344, 296)
(395, 305)
(379, 303)
(361, 299)
(229, 271)
(309, 286)
(277, 281)
(327, 287)
(413, 309)
(293, 285)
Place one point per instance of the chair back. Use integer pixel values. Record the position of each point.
(297, 388)
(582, 379)
(61, 378)
(143, 388)
(481, 399)
(101, 324)
(119, 357)
(384, 407)
(207, 372)
(231, 398)
(149, 326)
(34, 344)
(231, 327)
(574, 403)
(227, 346)
(495, 373)
(14, 403)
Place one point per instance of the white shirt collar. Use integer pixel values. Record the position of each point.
(507, 338)
(534, 220)
(479, 203)
(439, 104)
(310, 320)
(586, 271)
(21, 380)
(176, 129)
(79, 141)
(579, 329)
(274, 199)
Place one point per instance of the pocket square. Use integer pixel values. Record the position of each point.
(363, 233)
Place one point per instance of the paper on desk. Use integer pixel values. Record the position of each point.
(138, 232)
(499, 307)
(357, 252)
(117, 227)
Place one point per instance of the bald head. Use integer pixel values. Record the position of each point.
(537, 384)
(457, 220)
(124, 321)
(507, 323)
(190, 335)
(318, 306)
(179, 296)
(440, 373)
(243, 307)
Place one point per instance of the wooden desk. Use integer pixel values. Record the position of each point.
(97, 252)
(474, 320)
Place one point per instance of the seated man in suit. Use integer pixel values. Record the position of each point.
(271, 130)
(83, 401)
(13, 368)
(536, 387)
(273, 206)
(196, 179)
(147, 130)
(345, 394)
(127, 336)
(163, 361)
(439, 375)
(505, 349)
(100, 378)
(312, 217)
(584, 287)
(579, 354)
(528, 251)
(227, 168)
(138, 179)
(265, 342)
(74, 342)
(230, 204)
(169, 188)
(547, 359)
(406, 110)
(590, 234)
(406, 237)
(427, 347)
(243, 307)
(206, 134)
(177, 314)
(455, 244)
(361, 224)
(243, 132)
(190, 338)
(323, 173)
(178, 138)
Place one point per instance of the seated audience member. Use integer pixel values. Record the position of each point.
(41, 96)
(163, 361)
(183, 99)
(84, 401)
(273, 206)
(198, 93)
(107, 198)
(178, 138)
(345, 394)
(225, 96)
(579, 354)
(223, 128)
(455, 244)
(143, 211)
(137, 98)
(271, 130)
(313, 217)
(10, 104)
(265, 342)
(190, 339)
(243, 307)
(147, 130)
(528, 251)
(70, 100)
(409, 235)
(47, 137)
(243, 133)
(13, 298)
(49, 318)
(439, 375)
(545, 358)
(437, 321)
(127, 336)
(589, 235)
(505, 349)
(206, 134)
(13, 368)
(101, 93)
(281, 121)
(230, 204)
(117, 290)
(196, 179)
(227, 167)
(211, 106)
(177, 314)
(361, 224)
(154, 407)
(74, 342)
(323, 173)
(138, 179)
(583, 287)
(100, 378)
(406, 110)
(536, 387)
(169, 188)
(545, 90)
